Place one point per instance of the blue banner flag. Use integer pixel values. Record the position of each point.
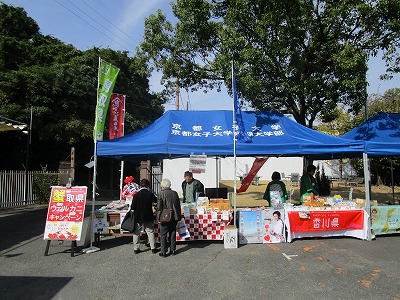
(238, 120)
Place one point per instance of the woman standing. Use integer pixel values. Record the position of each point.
(276, 185)
(308, 184)
(168, 199)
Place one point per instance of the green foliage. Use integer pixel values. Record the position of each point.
(340, 124)
(60, 83)
(388, 102)
(42, 183)
(295, 56)
(380, 167)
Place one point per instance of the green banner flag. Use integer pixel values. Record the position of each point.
(106, 81)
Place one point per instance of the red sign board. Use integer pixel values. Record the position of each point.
(117, 115)
(65, 214)
(301, 221)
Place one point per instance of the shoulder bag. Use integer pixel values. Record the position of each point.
(166, 216)
(129, 223)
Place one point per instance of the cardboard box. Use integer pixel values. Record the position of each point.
(218, 204)
(230, 237)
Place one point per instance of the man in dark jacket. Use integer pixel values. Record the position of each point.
(190, 187)
(142, 204)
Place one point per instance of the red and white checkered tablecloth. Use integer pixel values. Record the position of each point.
(202, 227)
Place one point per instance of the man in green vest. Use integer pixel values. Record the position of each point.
(190, 187)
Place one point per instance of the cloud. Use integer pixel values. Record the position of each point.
(131, 20)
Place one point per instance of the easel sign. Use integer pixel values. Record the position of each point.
(65, 214)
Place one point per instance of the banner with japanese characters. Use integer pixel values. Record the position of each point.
(65, 213)
(197, 164)
(117, 115)
(106, 80)
(302, 221)
(385, 219)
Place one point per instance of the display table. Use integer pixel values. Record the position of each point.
(209, 226)
(326, 223)
(107, 223)
(202, 227)
(385, 219)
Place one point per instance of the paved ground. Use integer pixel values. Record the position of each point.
(325, 268)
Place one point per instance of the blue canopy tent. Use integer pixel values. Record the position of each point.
(380, 134)
(181, 133)
(381, 137)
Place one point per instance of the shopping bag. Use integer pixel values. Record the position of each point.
(129, 223)
(182, 229)
(165, 216)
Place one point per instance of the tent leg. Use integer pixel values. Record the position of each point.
(367, 180)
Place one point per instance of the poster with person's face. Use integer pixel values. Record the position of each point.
(273, 226)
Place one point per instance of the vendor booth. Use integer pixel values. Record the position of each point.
(381, 137)
(205, 220)
(182, 133)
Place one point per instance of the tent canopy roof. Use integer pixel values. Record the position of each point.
(380, 133)
(8, 125)
(182, 133)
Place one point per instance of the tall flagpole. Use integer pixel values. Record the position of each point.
(234, 146)
(92, 248)
(122, 162)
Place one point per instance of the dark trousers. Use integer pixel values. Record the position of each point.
(171, 229)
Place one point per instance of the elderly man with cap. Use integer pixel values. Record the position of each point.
(190, 187)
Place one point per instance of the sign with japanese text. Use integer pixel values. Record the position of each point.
(197, 163)
(106, 80)
(100, 222)
(117, 115)
(326, 220)
(65, 214)
(385, 219)
(196, 130)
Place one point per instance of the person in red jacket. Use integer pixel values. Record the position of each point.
(130, 188)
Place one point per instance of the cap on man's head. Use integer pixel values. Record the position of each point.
(188, 173)
(129, 179)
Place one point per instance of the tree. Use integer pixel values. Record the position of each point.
(380, 167)
(343, 122)
(60, 83)
(298, 56)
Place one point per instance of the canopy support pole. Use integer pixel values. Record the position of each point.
(91, 223)
(367, 180)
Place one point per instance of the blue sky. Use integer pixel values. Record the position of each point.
(120, 24)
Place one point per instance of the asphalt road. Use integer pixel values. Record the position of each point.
(323, 268)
